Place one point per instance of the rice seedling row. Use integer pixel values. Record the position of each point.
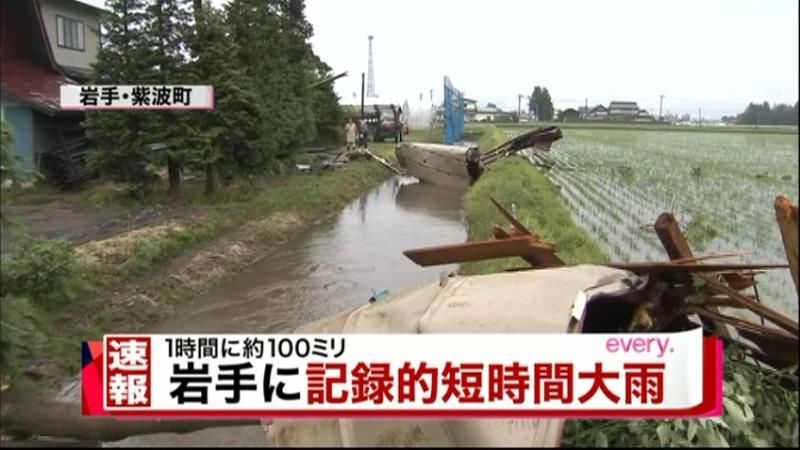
(719, 186)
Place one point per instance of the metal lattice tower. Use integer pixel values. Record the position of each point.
(370, 72)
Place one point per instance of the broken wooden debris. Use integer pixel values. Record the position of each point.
(541, 138)
(677, 247)
(743, 325)
(787, 215)
(763, 311)
(680, 296)
(477, 251)
(384, 162)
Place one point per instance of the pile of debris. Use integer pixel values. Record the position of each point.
(675, 291)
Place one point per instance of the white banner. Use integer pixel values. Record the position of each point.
(402, 372)
(83, 97)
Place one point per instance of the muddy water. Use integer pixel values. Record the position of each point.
(324, 270)
(334, 266)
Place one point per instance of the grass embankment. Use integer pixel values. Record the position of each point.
(538, 206)
(128, 281)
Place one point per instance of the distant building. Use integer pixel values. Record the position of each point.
(470, 109)
(644, 116)
(569, 115)
(623, 110)
(598, 112)
(487, 113)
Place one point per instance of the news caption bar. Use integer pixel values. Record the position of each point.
(404, 375)
(109, 97)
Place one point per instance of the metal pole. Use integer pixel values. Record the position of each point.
(660, 104)
(362, 95)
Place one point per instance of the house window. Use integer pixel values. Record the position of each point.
(70, 33)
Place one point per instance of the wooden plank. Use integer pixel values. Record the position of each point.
(541, 260)
(686, 268)
(777, 352)
(513, 220)
(477, 251)
(787, 215)
(383, 162)
(745, 326)
(711, 256)
(773, 316)
(676, 246)
(667, 267)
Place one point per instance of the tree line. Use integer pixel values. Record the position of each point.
(257, 56)
(764, 114)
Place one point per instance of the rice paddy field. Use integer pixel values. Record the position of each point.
(720, 187)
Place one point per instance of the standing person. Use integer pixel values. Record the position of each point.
(399, 126)
(350, 132)
(396, 116)
(364, 133)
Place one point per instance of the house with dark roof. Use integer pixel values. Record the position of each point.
(644, 116)
(569, 115)
(598, 112)
(46, 138)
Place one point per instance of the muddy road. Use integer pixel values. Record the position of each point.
(323, 270)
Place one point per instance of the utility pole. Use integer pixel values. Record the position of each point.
(699, 118)
(362, 95)
(585, 108)
(660, 104)
(431, 95)
(519, 106)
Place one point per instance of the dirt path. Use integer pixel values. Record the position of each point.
(81, 223)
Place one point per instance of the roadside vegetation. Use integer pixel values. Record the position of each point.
(55, 295)
(232, 169)
(760, 408)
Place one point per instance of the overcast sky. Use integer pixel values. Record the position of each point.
(714, 54)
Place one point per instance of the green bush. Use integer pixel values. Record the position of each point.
(19, 332)
(759, 411)
(42, 270)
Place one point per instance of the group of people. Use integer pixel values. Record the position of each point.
(355, 132)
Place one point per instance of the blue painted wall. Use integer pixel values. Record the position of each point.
(21, 120)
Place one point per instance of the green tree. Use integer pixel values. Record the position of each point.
(253, 27)
(221, 138)
(166, 31)
(545, 106)
(119, 137)
(272, 37)
(328, 115)
(533, 103)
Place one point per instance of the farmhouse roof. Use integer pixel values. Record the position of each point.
(623, 105)
(28, 71)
